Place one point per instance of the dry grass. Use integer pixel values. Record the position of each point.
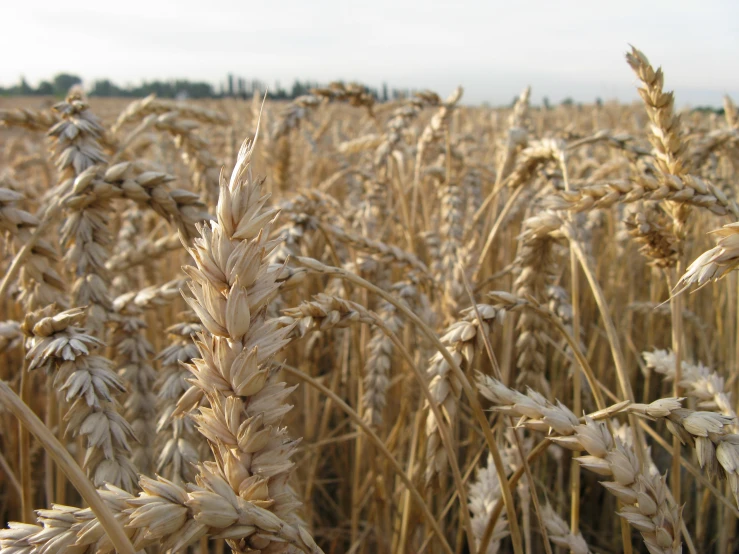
(332, 357)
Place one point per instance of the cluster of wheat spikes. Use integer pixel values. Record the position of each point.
(501, 322)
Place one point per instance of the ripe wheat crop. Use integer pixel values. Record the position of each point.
(402, 327)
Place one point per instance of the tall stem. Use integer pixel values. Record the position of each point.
(576, 378)
(616, 351)
(676, 314)
(24, 447)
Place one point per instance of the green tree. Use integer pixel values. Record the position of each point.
(299, 89)
(105, 87)
(23, 88)
(65, 81)
(45, 88)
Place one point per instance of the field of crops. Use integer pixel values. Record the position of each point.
(403, 327)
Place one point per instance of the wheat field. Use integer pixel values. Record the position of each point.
(403, 327)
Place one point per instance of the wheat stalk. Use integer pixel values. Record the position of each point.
(87, 385)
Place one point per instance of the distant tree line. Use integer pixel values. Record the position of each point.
(232, 87)
(58, 86)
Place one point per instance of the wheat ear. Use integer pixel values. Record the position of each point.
(87, 385)
(647, 505)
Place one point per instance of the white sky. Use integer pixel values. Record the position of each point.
(492, 48)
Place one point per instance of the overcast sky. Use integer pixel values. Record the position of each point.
(493, 49)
